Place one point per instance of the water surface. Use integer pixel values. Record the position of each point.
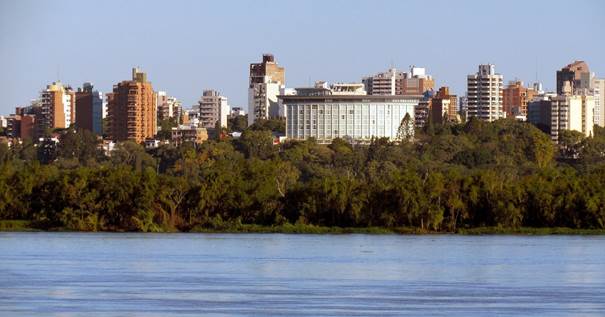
(128, 274)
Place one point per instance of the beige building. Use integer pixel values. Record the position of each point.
(131, 109)
(189, 133)
(213, 108)
(554, 113)
(485, 94)
(599, 100)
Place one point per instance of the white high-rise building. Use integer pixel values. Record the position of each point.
(213, 108)
(485, 94)
(554, 113)
(266, 81)
(599, 101)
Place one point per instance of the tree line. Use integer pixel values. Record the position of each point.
(455, 176)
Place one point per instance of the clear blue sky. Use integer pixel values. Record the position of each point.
(188, 46)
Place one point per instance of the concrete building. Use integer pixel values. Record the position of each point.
(578, 75)
(132, 109)
(443, 106)
(213, 108)
(485, 94)
(344, 111)
(515, 98)
(89, 109)
(266, 80)
(58, 109)
(189, 133)
(387, 83)
(553, 113)
(598, 86)
(168, 107)
(416, 82)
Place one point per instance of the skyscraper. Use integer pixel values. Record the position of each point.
(266, 80)
(213, 108)
(89, 109)
(132, 110)
(484, 92)
(57, 107)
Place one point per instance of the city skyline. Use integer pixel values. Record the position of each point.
(184, 51)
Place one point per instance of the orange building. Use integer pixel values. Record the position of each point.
(131, 109)
(516, 97)
(57, 107)
(443, 106)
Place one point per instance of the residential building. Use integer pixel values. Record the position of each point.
(132, 109)
(598, 86)
(189, 133)
(3, 122)
(213, 108)
(387, 83)
(345, 111)
(578, 75)
(554, 113)
(57, 107)
(415, 83)
(515, 98)
(443, 106)
(266, 80)
(485, 94)
(168, 107)
(89, 109)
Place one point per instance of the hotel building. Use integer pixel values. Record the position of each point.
(344, 111)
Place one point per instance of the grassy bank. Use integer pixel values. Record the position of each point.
(22, 225)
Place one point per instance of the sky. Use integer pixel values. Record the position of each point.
(186, 47)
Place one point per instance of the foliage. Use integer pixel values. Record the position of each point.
(505, 176)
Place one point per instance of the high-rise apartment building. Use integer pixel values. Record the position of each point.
(266, 81)
(553, 113)
(131, 109)
(57, 107)
(387, 83)
(598, 86)
(213, 108)
(485, 94)
(89, 109)
(515, 98)
(578, 75)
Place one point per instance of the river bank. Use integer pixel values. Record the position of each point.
(25, 226)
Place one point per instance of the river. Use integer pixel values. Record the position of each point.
(132, 274)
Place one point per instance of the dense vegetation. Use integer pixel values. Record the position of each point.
(451, 178)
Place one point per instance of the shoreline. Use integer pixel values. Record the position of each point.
(23, 226)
